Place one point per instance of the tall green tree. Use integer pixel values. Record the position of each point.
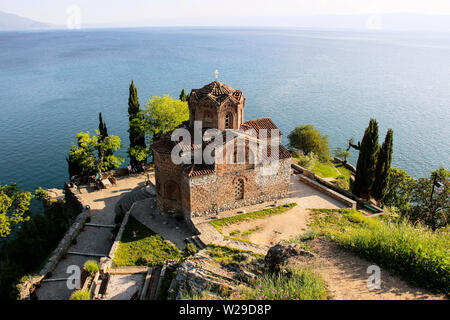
(14, 208)
(137, 126)
(308, 139)
(103, 134)
(164, 114)
(383, 167)
(367, 160)
(183, 96)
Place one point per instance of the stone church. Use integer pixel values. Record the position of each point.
(187, 190)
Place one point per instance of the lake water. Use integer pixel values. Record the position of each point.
(54, 83)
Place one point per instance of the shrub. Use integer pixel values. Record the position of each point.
(190, 249)
(80, 295)
(309, 161)
(415, 252)
(297, 284)
(342, 182)
(91, 266)
(225, 255)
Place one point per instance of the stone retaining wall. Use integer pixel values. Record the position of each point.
(75, 203)
(333, 194)
(328, 185)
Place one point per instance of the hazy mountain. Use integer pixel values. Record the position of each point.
(10, 21)
(392, 21)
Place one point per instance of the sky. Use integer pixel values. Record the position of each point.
(125, 11)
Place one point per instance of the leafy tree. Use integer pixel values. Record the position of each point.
(137, 126)
(41, 194)
(14, 208)
(367, 160)
(92, 153)
(307, 139)
(82, 158)
(429, 204)
(398, 189)
(341, 153)
(164, 114)
(383, 166)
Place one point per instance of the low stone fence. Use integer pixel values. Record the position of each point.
(75, 201)
(325, 185)
(333, 194)
(346, 164)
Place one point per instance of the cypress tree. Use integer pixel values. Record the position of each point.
(102, 127)
(367, 160)
(137, 135)
(383, 166)
(183, 96)
(103, 134)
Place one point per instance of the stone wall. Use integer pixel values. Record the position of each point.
(216, 192)
(74, 203)
(330, 186)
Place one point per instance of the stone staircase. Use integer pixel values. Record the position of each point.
(138, 194)
(195, 240)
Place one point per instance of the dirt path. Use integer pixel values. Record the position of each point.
(346, 276)
(273, 229)
(345, 273)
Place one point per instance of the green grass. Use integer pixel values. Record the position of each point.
(80, 295)
(344, 171)
(225, 255)
(250, 231)
(235, 232)
(91, 266)
(299, 284)
(325, 170)
(417, 253)
(141, 246)
(330, 170)
(261, 214)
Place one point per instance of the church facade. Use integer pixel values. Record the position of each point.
(199, 189)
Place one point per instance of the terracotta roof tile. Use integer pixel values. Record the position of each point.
(195, 170)
(216, 91)
(258, 124)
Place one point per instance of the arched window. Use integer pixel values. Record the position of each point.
(229, 121)
(239, 189)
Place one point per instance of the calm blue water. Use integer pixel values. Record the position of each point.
(54, 83)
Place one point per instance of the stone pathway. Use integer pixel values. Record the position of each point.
(273, 229)
(92, 240)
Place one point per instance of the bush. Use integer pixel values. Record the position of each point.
(80, 295)
(309, 161)
(342, 182)
(190, 249)
(417, 253)
(91, 266)
(297, 284)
